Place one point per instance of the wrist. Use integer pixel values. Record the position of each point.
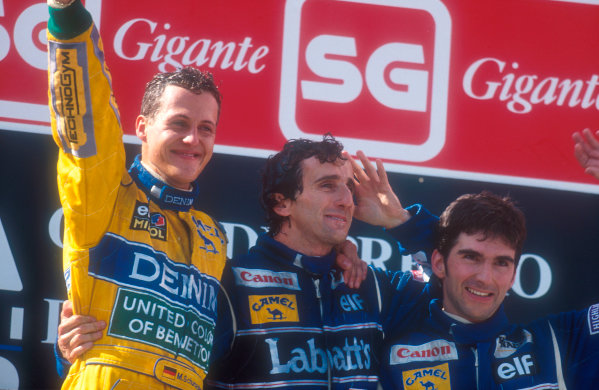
(60, 3)
(402, 216)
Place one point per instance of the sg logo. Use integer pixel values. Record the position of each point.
(380, 87)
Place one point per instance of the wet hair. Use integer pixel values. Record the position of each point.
(282, 173)
(192, 79)
(486, 213)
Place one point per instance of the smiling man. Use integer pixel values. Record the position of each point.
(138, 254)
(466, 342)
(287, 318)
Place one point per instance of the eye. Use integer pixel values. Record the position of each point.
(207, 129)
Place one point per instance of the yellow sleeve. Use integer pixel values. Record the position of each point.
(85, 126)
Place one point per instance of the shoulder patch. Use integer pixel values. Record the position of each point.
(594, 319)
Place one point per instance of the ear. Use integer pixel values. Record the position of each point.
(438, 265)
(283, 205)
(140, 128)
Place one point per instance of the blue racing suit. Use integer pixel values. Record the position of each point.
(557, 352)
(288, 320)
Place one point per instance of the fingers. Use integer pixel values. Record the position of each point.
(354, 269)
(67, 310)
(592, 140)
(370, 171)
(76, 335)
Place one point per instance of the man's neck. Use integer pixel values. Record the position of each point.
(161, 178)
(303, 247)
(457, 317)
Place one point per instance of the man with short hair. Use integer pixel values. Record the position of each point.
(466, 341)
(286, 316)
(138, 254)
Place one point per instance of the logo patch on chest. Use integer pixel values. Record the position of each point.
(260, 278)
(273, 308)
(153, 223)
(429, 378)
(437, 350)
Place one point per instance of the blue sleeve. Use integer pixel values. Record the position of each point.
(577, 335)
(62, 364)
(418, 233)
(403, 299)
(224, 331)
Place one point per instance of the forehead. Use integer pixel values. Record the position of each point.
(489, 246)
(313, 169)
(175, 98)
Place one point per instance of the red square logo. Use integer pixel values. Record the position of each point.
(374, 73)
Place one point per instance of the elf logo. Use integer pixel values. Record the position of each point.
(517, 366)
(380, 87)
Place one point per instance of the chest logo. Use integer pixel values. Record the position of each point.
(260, 278)
(153, 223)
(429, 378)
(273, 308)
(515, 367)
(437, 350)
(505, 347)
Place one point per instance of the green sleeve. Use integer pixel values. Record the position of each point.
(69, 22)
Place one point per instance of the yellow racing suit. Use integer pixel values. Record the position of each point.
(137, 254)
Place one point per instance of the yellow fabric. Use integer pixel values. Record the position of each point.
(158, 294)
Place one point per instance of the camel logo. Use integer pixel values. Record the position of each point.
(273, 308)
(428, 378)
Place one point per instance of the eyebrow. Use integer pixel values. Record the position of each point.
(478, 254)
(327, 177)
(187, 117)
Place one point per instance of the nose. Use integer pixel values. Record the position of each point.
(346, 197)
(485, 272)
(191, 137)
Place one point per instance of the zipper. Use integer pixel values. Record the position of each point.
(319, 297)
(475, 350)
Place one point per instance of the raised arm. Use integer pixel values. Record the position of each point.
(376, 203)
(586, 150)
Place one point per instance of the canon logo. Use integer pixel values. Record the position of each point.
(259, 278)
(435, 350)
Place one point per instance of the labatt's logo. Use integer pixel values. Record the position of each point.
(353, 355)
(437, 350)
(429, 378)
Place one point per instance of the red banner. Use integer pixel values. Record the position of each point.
(487, 90)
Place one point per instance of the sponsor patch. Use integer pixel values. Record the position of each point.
(594, 319)
(136, 265)
(70, 98)
(437, 350)
(429, 378)
(259, 278)
(517, 366)
(153, 223)
(273, 308)
(148, 319)
(169, 372)
(67, 278)
(205, 232)
(505, 347)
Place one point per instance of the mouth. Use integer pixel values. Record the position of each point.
(478, 293)
(186, 155)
